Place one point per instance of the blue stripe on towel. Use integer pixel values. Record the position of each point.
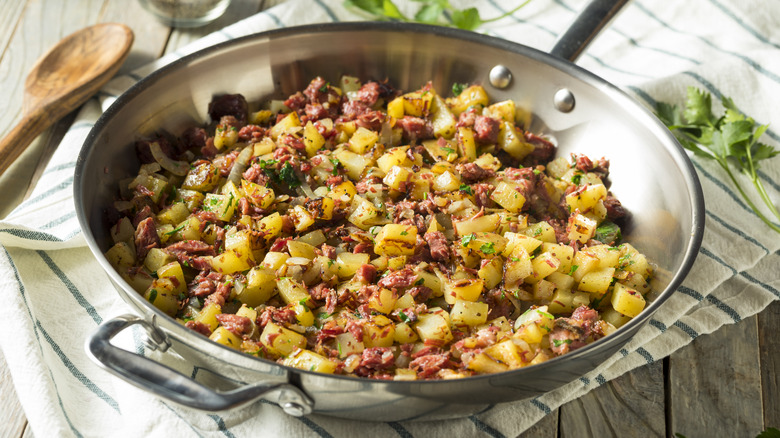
(485, 428)
(75, 371)
(71, 287)
(687, 329)
(400, 430)
(542, 407)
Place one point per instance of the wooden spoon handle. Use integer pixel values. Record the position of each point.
(17, 140)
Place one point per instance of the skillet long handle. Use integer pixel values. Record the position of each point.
(172, 385)
(594, 17)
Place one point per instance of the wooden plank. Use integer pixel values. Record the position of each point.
(630, 406)
(715, 384)
(547, 427)
(12, 416)
(769, 356)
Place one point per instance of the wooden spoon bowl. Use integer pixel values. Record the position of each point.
(63, 79)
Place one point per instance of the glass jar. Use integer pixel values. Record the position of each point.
(186, 13)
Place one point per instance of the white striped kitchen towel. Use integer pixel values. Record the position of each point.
(54, 292)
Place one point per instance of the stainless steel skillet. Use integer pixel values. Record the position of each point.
(651, 175)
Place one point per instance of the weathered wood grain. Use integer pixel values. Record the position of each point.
(630, 406)
(12, 419)
(547, 427)
(769, 354)
(715, 384)
(151, 36)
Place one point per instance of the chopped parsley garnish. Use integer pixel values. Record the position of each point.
(466, 188)
(175, 230)
(403, 316)
(448, 150)
(559, 342)
(287, 175)
(607, 232)
(488, 248)
(419, 282)
(152, 295)
(404, 233)
(458, 88)
(335, 162)
(573, 269)
(576, 178)
(467, 239)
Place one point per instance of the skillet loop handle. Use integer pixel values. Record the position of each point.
(596, 15)
(174, 386)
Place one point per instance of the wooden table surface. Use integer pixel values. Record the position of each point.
(724, 384)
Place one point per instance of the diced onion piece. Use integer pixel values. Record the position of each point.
(175, 167)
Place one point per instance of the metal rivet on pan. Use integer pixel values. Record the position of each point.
(500, 76)
(563, 100)
(294, 409)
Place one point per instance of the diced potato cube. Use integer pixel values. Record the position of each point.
(123, 231)
(231, 261)
(343, 193)
(121, 255)
(517, 268)
(504, 110)
(587, 198)
(310, 361)
(302, 219)
(161, 294)
(398, 178)
(260, 286)
(564, 254)
(312, 139)
(597, 281)
(174, 273)
(383, 301)
(542, 231)
(506, 352)
(274, 260)
(348, 263)
(404, 334)
(627, 301)
(362, 140)
(507, 196)
(222, 205)
(303, 315)
(270, 226)
(301, 249)
(514, 239)
(463, 289)
(544, 264)
(364, 213)
(396, 239)
(562, 302)
(584, 262)
(511, 141)
(405, 301)
(173, 214)
(633, 261)
(561, 280)
(354, 164)
(280, 340)
(157, 258)
(395, 108)
(321, 208)
(474, 95)
(486, 223)
(433, 329)
(486, 244)
(469, 313)
(378, 332)
(203, 178)
(225, 337)
(581, 228)
(347, 344)
(614, 317)
(443, 121)
(417, 103)
(241, 242)
(394, 157)
(446, 182)
(492, 272)
(285, 125)
(467, 146)
(259, 196)
(484, 364)
(292, 291)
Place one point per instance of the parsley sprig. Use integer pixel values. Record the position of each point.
(437, 12)
(730, 140)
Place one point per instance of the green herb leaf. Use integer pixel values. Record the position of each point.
(467, 239)
(488, 248)
(458, 88)
(731, 140)
(608, 232)
(466, 188)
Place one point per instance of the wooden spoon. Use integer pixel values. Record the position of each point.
(63, 79)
